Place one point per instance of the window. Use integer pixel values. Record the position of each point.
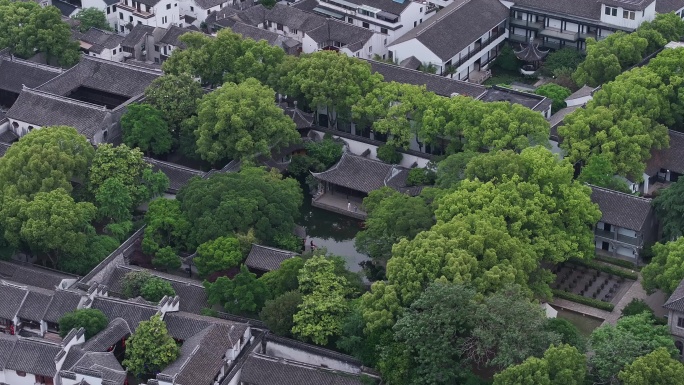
(421, 20)
(279, 26)
(130, 18)
(21, 374)
(109, 10)
(350, 20)
(121, 15)
(156, 48)
(156, 60)
(366, 25)
(208, 11)
(370, 49)
(421, 9)
(121, 27)
(192, 8)
(611, 11)
(175, 5)
(139, 22)
(114, 8)
(294, 31)
(680, 322)
(628, 15)
(168, 6)
(113, 52)
(415, 23)
(383, 30)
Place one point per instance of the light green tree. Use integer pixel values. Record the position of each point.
(220, 254)
(114, 201)
(167, 259)
(560, 365)
(556, 93)
(150, 348)
(666, 269)
(92, 18)
(92, 320)
(241, 121)
(657, 367)
(176, 97)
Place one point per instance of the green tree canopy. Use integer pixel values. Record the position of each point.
(92, 18)
(114, 201)
(666, 269)
(27, 27)
(244, 294)
(92, 320)
(556, 93)
(144, 127)
(150, 348)
(98, 248)
(176, 97)
(451, 170)
(324, 302)
(236, 202)
(331, 80)
(599, 171)
(560, 365)
(669, 205)
(219, 254)
(391, 217)
(130, 168)
(166, 259)
(617, 346)
(563, 58)
(155, 288)
(657, 367)
(567, 331)
(284, 279)
(669, 25)
(241, 121)
(166, 226)
(278, 313)
(607, 58)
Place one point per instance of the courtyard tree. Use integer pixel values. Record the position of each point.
(166, 226)
(92, 320)
(167, 259)
(669, 25)
(657, 367)
(333, 81)
(155, 288)
(392, 217)
(150, 348)
(599, 66)
(666, 269)
(259, 59)
(556, 93)
(599, 171)
(669, 205)
(27, 27)
(615, 347)
(564, 58)
(284, 279)
(176, 97)
(219, 254)
(92, 18)
(451, 170)
(114, 201)
(278, 313)
(240, 121)
(324, 301)
(237, 202)
(244, 294)
(560, 365)
(568, 332)
(144, 127)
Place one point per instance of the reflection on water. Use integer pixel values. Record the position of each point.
(332, 231)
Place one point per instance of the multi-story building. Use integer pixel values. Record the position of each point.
(154, 13)
(557, 24)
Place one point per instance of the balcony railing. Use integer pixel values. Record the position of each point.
(135, 11)
(479, 45)
(526, 24)
(620, 238)
(604, 234)
(627, 239)
(558, 34)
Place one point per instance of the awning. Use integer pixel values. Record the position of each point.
(327, 12)
(388, 16)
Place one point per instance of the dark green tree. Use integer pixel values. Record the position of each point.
(284, 279)
(666, 269)
(155, 288)
(176, 97)
(244, 294)
(167, 259)
(669, 205)
(92, 320)
(277, 313)
(144, 127)
(92, 18)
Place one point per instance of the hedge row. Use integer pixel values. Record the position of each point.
(606, 269)
(617, 262)
(583, 300)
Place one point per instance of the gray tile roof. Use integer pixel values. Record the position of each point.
(302, 119)
(11, 298)
(582, 92)
(116, 330)
(103, 75)
(391, 6)
(172, 35)
(457, 26)
(255, 33)
(3, 149)
(178, 175)
(35, 305)
(667, 6)
(206, 4)
(104, 364)
(6, 346)
(63, 301)
(437, 84)
(34, 356)
(586, 9)
(670, 158)
(253, 15)
(14, 73)
(361, 174)
(676, 300)
(64, 7)
(557, 118)
(183, 325)
(350, 36)
(32, 275)
(136, 35)
(294, 18)
(267, 258)
(259, 369)
(132, 312)
(620, 209)
(43, 109)
(634, 5)
(98, 39)
(531, 101)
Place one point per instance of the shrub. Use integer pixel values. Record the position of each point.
(155, 289)
(569, 333)
(327, 151)
(389, 154)
(617, 262)
(562, 58)
(556, 93)
(606, 269)
(507, 60)
(421, 177)
(133, 282)
(92, 320)
(583, 300)
(636, 306)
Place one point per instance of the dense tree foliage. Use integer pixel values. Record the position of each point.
(27, 27)
(568, 332)
(278, 313)
(657, 367)
(166, 226)
(144, 284)
(176, 96)
(666, 269)
(284, 279)
(244, 294)
(560, 365)
(92, 320)
(150, 348)
(240, 121)
(237, 202)
(599, 171)
(92, 18)
(166, 259)
(451, 170)
(564, 58)
(391, 217)
(144, 127)
(616, 346)
(556, 93)
(219, 254)
(669, 205)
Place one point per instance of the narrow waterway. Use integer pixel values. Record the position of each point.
(333, 231)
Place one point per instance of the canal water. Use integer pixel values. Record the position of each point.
(333, 231)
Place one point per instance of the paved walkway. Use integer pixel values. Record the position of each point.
(579, 308)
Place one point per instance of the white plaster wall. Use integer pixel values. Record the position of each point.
(12, 378)
(308, 44)
(578, 101)
(627, 232)
(553, 23)
(625, 252)
(483, 54)
(282, 351)
(80, 377)
(236, 378)
(22, 129)
(415, 48)
(640, 16)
